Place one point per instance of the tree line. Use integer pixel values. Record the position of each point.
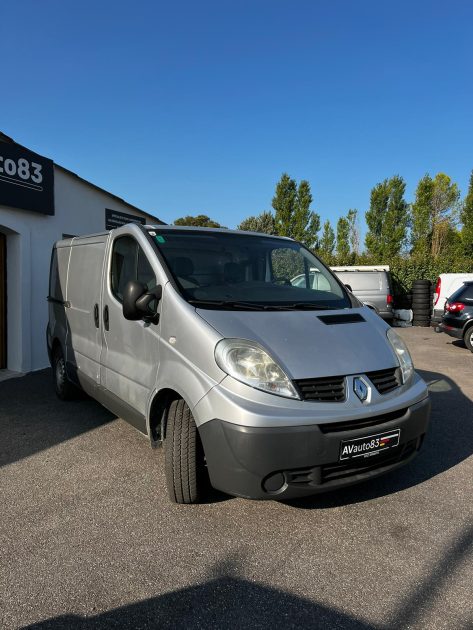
(430, 235)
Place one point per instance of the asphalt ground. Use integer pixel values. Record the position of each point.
(89, 539)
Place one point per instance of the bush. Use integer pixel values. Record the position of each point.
(405, 271)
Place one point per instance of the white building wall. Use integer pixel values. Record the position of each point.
(79, 209)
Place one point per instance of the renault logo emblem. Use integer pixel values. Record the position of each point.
(360, 388)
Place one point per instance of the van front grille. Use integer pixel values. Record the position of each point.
(385, 380)
(327, 389)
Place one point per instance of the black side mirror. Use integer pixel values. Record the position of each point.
(137, 301)
(349, 288)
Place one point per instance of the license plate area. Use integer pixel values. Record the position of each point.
(369, 445)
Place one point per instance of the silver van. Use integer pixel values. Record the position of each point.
(199, 339)
(371, 285)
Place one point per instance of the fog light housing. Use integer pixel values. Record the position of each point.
(274, 483)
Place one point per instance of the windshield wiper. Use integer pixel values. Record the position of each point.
(313, 306)
(227, 304)
(253, 306)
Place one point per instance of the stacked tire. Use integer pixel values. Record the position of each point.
(422, 302)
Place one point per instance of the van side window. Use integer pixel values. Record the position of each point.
(129, 263)
(145, 273)
(54, 284)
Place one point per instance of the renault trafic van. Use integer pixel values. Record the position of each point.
(199, 339)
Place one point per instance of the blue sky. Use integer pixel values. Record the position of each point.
(198, 107)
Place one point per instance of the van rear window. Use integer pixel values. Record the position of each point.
(54, 284)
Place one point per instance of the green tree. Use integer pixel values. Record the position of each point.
(354, 237)
(467, 221)
(327, 244)
(434, 215)
(387, 220)
(293, 216)
(396, 220)
(201, 220)
(421, 236)
(263, 223)
(379, 199)
(343, 241)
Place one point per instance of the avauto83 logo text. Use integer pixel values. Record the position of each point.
(369, 445)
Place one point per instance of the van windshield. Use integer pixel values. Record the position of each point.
(251, 272)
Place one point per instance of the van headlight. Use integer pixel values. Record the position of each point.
(402, 353)
(247, 362)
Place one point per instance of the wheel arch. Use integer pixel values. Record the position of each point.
(157, 416)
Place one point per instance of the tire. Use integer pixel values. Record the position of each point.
(65, 390)
(186, 474)
(421, 300)
(421, 323)
(421, 283)
(421, 313)
(468, 338)
(420, 291)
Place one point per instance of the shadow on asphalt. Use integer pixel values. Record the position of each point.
(33, 419)
(227, 600)
(459, 343)
(448, 442)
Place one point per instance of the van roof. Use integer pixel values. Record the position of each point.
(369, 268)
(162, 228)
(192, 228)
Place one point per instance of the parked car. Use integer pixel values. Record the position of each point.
(371, 285)
(457, 320)
(317, 280)
(198, 338)
(447, 283)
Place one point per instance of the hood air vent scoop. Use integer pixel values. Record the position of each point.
(352, 318)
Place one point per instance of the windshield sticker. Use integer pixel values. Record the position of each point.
(160, 239)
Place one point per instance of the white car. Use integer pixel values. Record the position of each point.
(447, 283)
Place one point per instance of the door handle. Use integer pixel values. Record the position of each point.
(96, 315)
(105, 318)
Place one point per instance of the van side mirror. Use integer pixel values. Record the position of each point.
(349, 288)
(138, 302)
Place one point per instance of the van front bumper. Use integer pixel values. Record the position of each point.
(289, 462)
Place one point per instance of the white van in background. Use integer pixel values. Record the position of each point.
(447, 283)
(371, 285)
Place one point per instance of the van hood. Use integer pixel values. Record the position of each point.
(307, 347)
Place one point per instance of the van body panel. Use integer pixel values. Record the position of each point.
(186, 350)
(370, 287)
(304, 346)
(238, 403)
(84, 341)
(58, 325)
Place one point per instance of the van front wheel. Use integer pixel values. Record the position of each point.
(65, 390)
(186, 475)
